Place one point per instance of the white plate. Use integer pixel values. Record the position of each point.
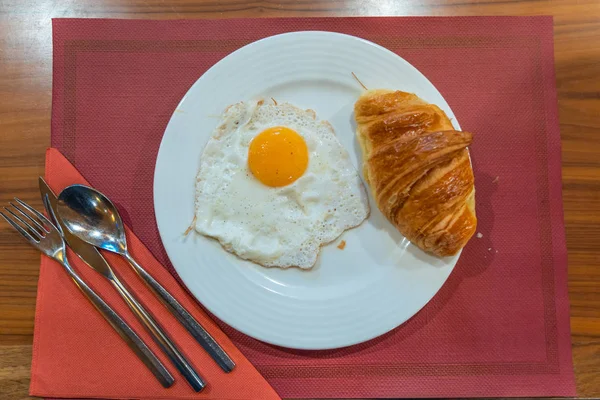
(377, 282)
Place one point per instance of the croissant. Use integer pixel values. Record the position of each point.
(418, 169)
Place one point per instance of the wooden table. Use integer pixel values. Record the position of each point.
(25, 99)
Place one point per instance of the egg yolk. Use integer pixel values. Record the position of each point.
(278, 156)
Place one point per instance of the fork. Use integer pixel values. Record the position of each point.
(46, 237)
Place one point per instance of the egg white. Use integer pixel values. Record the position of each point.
(283, 226)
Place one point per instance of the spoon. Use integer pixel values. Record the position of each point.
(154, 329)
(92, 217)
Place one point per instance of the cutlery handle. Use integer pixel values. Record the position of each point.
(185, 318)
(127, 334)
(160, 336)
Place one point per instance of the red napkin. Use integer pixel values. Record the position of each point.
(500, 325)
(77, 354)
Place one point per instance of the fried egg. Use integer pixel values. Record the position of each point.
(275, 184)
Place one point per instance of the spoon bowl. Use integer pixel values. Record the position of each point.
(92, 217)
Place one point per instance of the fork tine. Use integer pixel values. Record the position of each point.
(20, 230)
(32, 231)
(35, 212)
(42, 231)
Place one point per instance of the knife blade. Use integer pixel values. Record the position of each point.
(88, 253)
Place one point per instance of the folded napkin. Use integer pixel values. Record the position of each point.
(499, 326)
(77, 354)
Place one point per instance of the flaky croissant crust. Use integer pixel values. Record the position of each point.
(418, 169)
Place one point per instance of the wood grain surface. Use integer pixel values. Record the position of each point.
(25, 101)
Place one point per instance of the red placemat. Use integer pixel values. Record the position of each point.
(500, 325)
